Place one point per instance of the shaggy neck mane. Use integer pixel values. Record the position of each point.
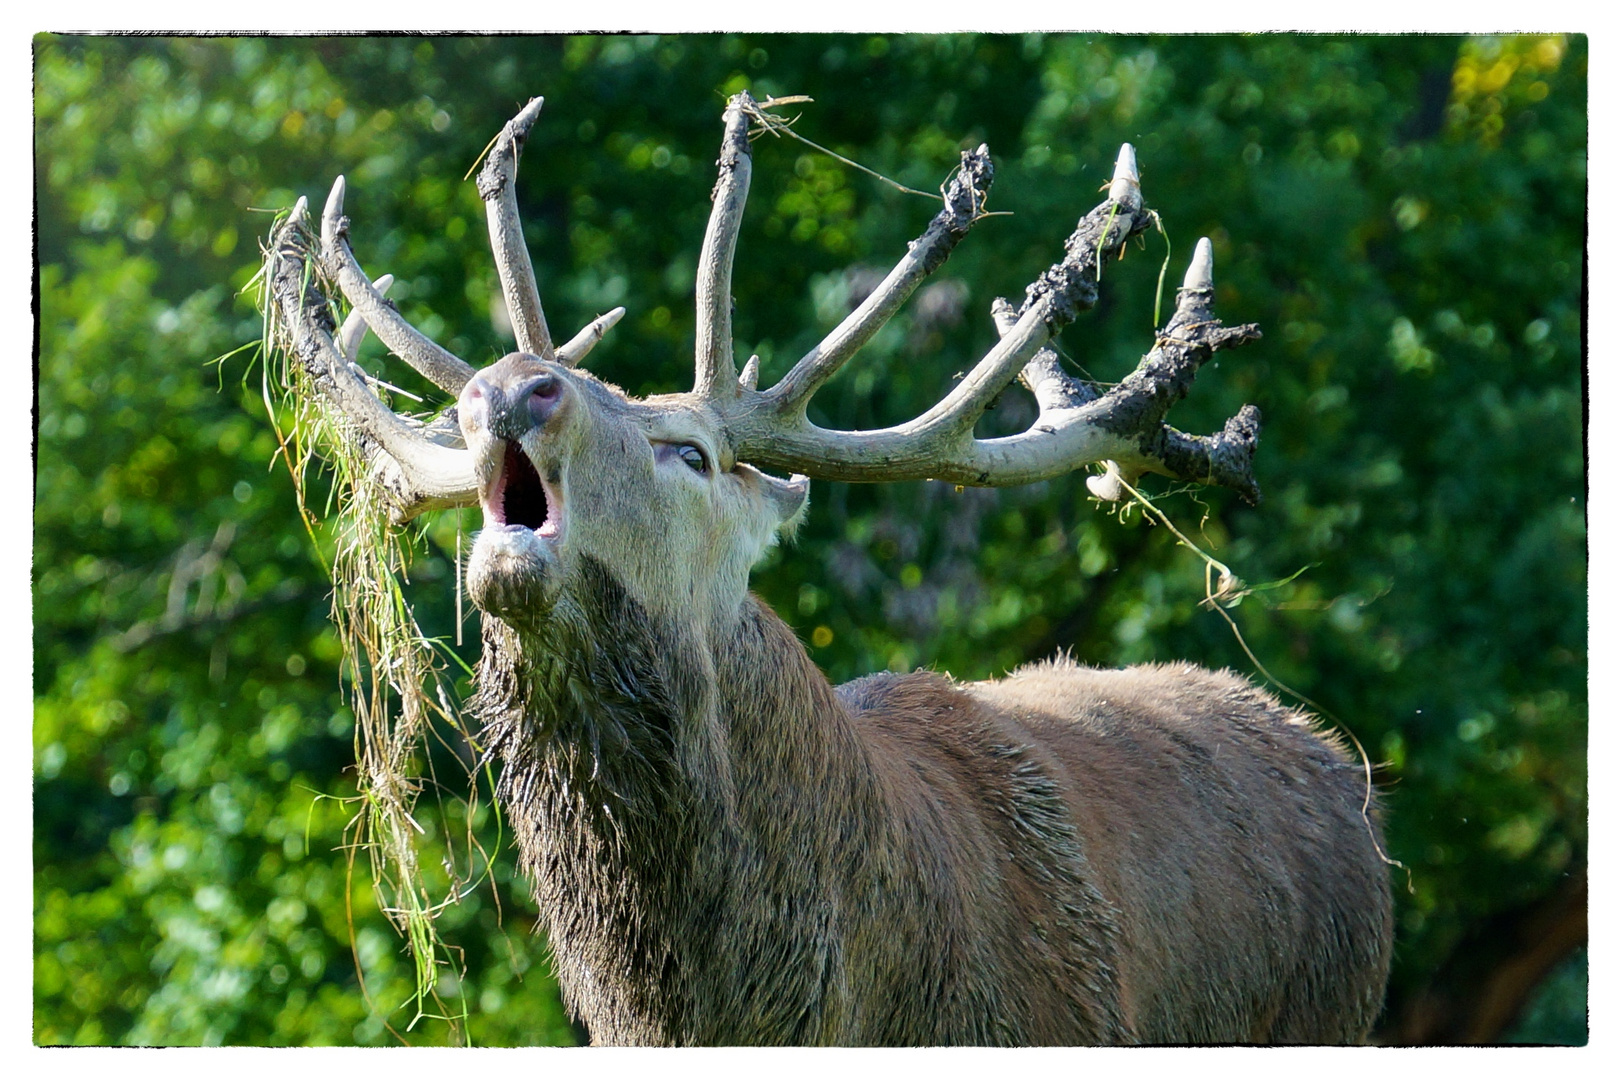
(619, 736)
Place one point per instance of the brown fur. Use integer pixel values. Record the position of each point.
(728, 850)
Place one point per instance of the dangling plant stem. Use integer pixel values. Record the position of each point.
(393, 674)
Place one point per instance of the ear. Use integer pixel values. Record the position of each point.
(789, 498)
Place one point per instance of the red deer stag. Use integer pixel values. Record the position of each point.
(727, 849)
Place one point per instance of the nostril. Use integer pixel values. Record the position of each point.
(544, 394)
(509, 405)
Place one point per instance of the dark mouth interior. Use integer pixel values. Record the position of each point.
(523, 499)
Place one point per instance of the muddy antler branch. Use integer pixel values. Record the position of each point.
(1135, 409)
(964, 204)
(1054, 300)
(418, 474)
(497, 187)
(716, 369)
(1077, 425)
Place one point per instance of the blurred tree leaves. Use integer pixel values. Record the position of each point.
(1403, 216)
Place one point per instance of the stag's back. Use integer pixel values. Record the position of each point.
(1192, 856)
(1231, 836)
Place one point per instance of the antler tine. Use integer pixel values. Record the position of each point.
(1201, 275)
(418, 474)
(1125, 187)
(575, 349)
(716, 374)
(1076, 426)
(1044, 375)
(964, 204)
(354, 327)
(443, 368)
(1061, 293)
(496, 186)
(353, 333)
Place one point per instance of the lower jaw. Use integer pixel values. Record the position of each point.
(511, 572)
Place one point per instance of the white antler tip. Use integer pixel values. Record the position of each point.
(332, 214)
(751, 373)
(527, 115)
(1202, 270)
(1126, 189)
(301, 210)
(575, 350)
(382, 284)
(1126, 163)
(334, 200)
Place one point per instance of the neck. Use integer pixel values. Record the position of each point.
(652, 774)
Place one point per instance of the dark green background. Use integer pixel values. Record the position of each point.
(1403, 216)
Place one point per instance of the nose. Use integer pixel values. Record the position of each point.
(511, 407)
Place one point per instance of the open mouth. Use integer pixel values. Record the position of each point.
(518, 496)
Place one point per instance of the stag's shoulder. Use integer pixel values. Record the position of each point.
(888, 691)
(927, 712)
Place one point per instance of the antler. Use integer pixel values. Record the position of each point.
(420, 466)
(417, 472)
(423, 466)
(1076, 425)
(497, 187)
(716, 370)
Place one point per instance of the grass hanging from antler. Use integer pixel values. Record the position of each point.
(392, 671)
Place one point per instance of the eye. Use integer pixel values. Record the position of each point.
(694, 458)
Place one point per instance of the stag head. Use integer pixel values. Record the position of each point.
(667, 492)
(570, 468)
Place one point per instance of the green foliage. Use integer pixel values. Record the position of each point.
(1403, 217)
